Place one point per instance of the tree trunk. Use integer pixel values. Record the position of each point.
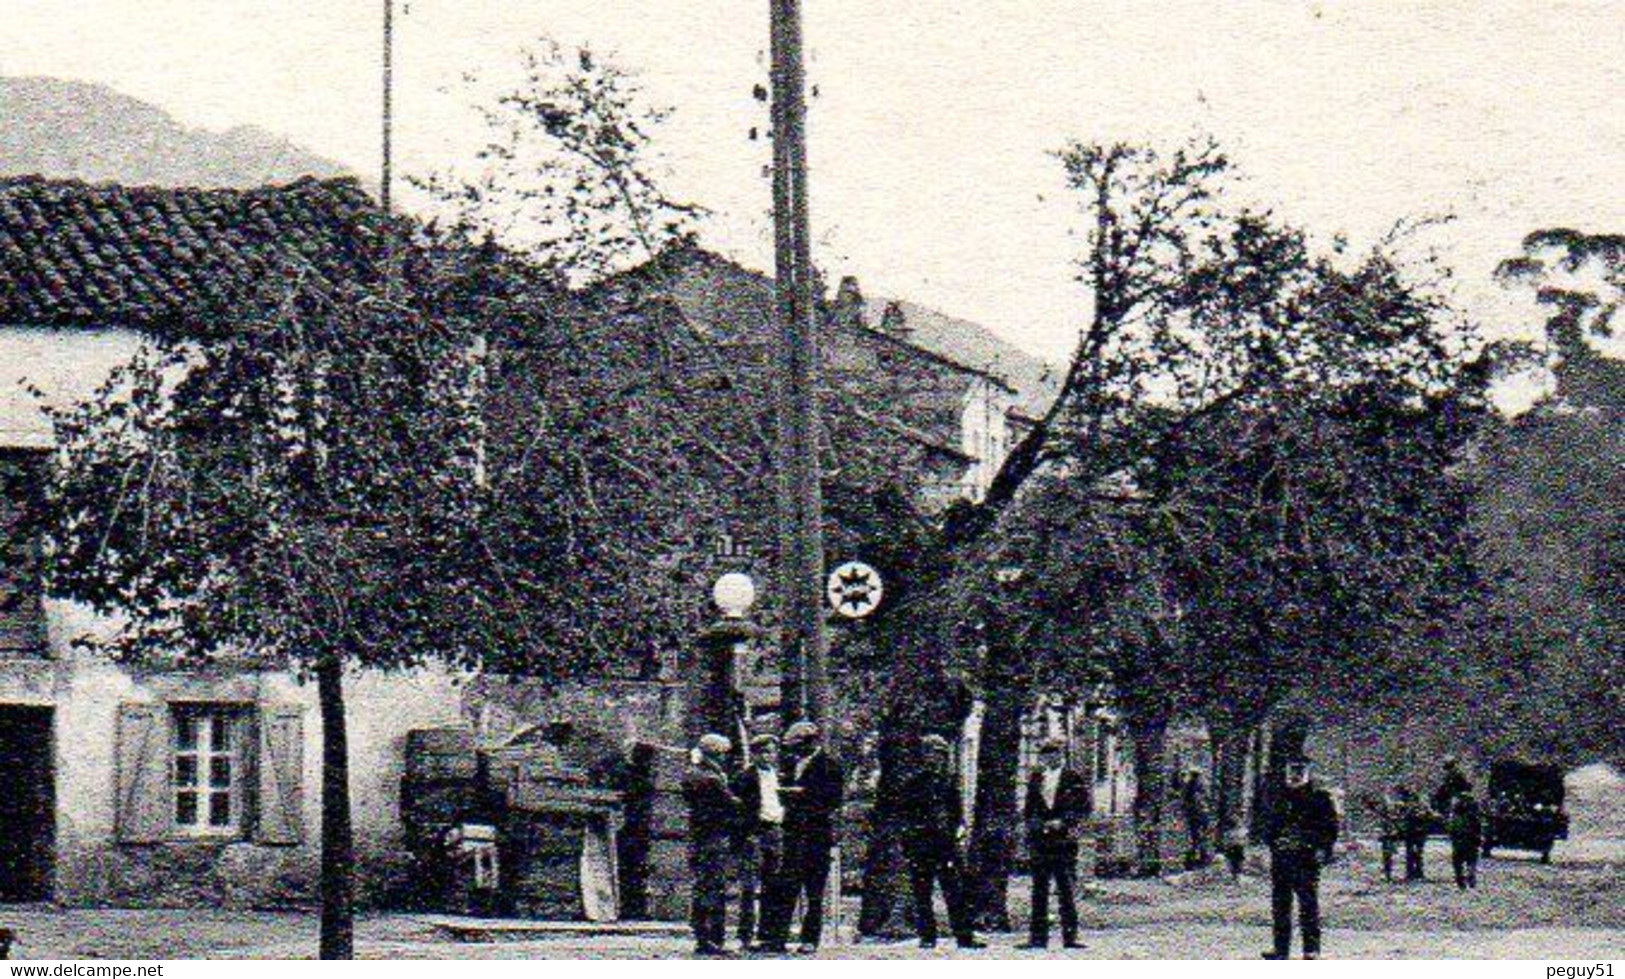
(1149, 737)
(923, 699)
(993, 837)
(886, 909)
(1257, 749)
(1231, 742)
(338, 841)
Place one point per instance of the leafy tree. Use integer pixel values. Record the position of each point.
(1548, 521)
(568, 174)
(672, 440)
(1582, 276)
(670, 423)
(1248, 486)
(326, 481)
(298, 488)
(1318, 519)
(1147, 213)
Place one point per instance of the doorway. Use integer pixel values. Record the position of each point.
(27, 803)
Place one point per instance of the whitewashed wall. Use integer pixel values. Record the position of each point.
(66, 365)
(87, 690)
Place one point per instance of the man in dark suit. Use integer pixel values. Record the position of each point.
(1466, 828)
(813, 789)
(713, 823)
(1453, 783)
(1301, 830)
(933, 840)
(1057, 805)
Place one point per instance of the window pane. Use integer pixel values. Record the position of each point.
(186, 808)
(186, 770)
(186, 732)
(220, 773)
(222, 732)
(220, 809)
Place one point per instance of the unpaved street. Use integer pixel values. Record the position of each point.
(1570, 909)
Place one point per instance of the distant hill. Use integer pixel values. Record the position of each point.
(974, 345)
(70, 129)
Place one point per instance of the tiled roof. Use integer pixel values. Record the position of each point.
(165, 259)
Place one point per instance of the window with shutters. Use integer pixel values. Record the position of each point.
(210, 752)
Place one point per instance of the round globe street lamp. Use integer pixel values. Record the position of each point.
(734, 594)
(718, 658)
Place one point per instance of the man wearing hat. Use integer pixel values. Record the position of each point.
(761, 837)
(714, 814)
(1453, 783)
(812, 791)
(1300, 832)
(933, 836)
(1057, 805)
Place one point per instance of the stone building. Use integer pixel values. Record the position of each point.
(947, 425)
(140, 784)
(151, 784)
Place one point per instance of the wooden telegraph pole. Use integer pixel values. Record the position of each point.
(803, 645)
(386, 175)
(386, 170)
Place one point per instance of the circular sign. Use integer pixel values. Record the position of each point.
(854, 590)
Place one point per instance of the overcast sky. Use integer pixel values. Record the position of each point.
(931, 132)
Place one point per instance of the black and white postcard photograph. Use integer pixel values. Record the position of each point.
(964, 481)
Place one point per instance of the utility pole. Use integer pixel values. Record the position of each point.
(386, 176)
(804, 647)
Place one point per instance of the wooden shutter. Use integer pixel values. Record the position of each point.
(142, 809)
(281, 813)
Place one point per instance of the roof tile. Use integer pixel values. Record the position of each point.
(76, 254)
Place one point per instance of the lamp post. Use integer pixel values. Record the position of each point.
(713, 673)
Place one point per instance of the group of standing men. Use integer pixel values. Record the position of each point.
(1408, 821)
(774, 821)
(934, 835)
(778, 819)
(777, 822)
